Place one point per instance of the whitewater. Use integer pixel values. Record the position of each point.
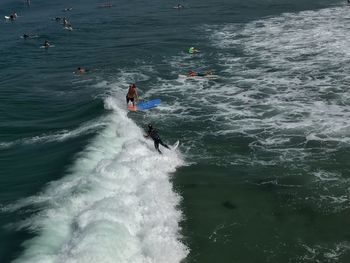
(116, 204)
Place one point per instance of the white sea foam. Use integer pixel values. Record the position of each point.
(115, 205)
(323, 253)
(298, 81)
(283, 82)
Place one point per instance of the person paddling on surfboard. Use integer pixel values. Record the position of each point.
(179, 6)
(13, 16)
(192, 73)
(132, 94)
(46, 44)
(153, 133)
(66, 23)
(25, 36)
(81, 71)
(193, 50)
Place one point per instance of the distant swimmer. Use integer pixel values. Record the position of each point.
(132, 94)
(25, 36)
(153, 133)
(179, 6)
(81, 71)
(65, 22)
(68, 9)
(193, 50)
(13, 16)
(57, 19)
(46, 44)
(192, 73)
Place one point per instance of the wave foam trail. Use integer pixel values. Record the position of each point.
(291, 75)
(116, 205)
(60, 136)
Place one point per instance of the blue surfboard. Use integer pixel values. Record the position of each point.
(144, 105)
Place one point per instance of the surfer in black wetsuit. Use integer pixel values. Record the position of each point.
(155, 136)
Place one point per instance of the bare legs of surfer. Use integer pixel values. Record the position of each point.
(132, 94)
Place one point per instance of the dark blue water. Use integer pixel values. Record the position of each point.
(261, 173)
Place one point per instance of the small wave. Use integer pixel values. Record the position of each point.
(60, 136)
(116, 204)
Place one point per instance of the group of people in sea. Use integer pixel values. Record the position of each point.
(132, 95)
(66, 24)
(152, 133)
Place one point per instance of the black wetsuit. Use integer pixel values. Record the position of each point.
(155, 136)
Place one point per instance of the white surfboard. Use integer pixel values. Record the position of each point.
(47, 47)
(175, 145)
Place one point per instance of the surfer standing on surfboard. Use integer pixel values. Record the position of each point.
(152, 132)
(132, 94)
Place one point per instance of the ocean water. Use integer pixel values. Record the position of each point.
(261, 173)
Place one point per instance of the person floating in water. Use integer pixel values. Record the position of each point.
(179, 6)
(81, 70)
(192, 73)
(193, 50)
(13, 16)
(132, 94)
(65, 22)
(25, 36)
(47, 44)
(153, 133)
